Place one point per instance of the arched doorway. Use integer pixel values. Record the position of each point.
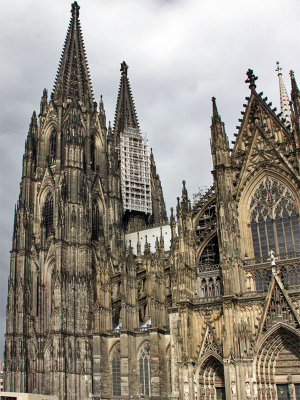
(211, 380)
(278, 365)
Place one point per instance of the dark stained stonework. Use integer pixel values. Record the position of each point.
(216, 315)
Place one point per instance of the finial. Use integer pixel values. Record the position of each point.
(294, 83)
(75, 9)
(279, 68)
(251, 79)
(215, 109)
(124, 68)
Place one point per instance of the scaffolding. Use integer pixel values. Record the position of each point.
(135, 172)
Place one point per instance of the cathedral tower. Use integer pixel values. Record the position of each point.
(59, 214)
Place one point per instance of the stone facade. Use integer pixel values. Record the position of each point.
(214, 317)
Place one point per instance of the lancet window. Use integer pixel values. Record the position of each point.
(144, 363)
(48, 214)
(210, 253)
(97, 225)
(53, 140)
(116, 371)
(93, 153)
(274, 219)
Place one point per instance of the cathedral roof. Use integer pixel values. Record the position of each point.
(125, 116)
(73, 80)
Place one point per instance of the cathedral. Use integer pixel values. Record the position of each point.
(110, 299)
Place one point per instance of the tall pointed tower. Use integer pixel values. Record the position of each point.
(142, 197)
(284, 98)
(59, 218)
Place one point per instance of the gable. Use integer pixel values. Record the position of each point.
(262, 139)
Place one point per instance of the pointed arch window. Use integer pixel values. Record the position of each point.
(274, 220)
(97, 223)
(93, 153)
(48, 214)
(210, 253)
(144, 363)
(53, 143)
(116, 371)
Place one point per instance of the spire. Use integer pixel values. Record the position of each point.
(284, 98)
(44, 103)
(215, 117)
(102, 112)
(295, 90)
(73, 80)
(295, 94)
(125, 116)
(219, 140)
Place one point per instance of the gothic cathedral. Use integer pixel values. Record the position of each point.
(108, 299)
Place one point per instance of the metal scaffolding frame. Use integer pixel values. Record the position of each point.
(135, 172)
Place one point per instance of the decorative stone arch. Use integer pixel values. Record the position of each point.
(96, 144)
(115, 362)
(200, 212)
(205, 229)
(32, 351)
(46, 279)
(98, 222)
(46, 191)
(169, 367)
(277, 361)
(244, 203)
(144, 368)
(48, 130)
(210, 375)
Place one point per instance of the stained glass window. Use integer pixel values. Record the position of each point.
(53, 139)
(145, 370)
(116, 371)
(48, 214)
(274, 220)
(97, 226)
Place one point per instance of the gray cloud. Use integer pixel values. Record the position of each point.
(180, 53)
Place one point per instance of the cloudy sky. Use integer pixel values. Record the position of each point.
(180, 53)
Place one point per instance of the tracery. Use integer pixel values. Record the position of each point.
(48, 214)
(116, 371)
(274, 220)
(144, 361)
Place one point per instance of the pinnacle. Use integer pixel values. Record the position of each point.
(124, 68)
(75, 8)
(293, 82)
(251, 79)
(215, 117)
(284, 98)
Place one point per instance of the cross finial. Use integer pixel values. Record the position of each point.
(251, 79)
(75, 8)
(124, 68)
(279, 68)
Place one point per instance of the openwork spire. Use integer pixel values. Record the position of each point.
(73, 80)
(284, 98)
(125, 116)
